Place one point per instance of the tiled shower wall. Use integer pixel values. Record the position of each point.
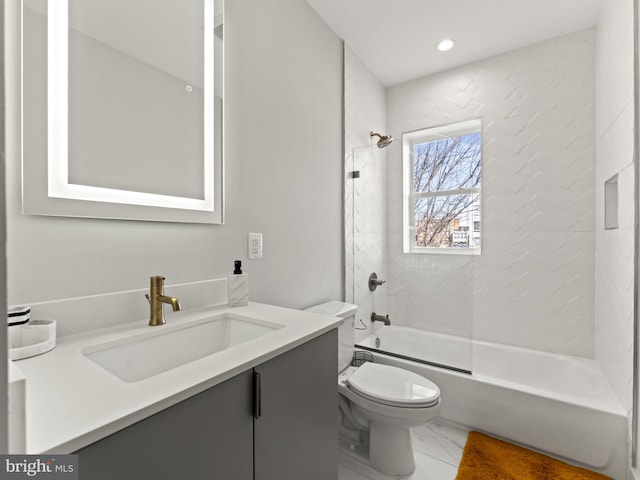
(533, 284)
(365, 213)
(614, 270)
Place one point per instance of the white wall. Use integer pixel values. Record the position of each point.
(365, 196)
(283, 110)
(533, 285)
(614, 270)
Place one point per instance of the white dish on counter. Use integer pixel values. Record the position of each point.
(30, 339)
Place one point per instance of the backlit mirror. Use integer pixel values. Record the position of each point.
(122, 109)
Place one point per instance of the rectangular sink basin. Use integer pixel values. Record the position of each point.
(166, 347)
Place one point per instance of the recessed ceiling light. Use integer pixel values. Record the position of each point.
(446, 44)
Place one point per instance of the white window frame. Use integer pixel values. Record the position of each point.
(416, 137)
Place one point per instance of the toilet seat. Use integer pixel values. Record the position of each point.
(393, 386)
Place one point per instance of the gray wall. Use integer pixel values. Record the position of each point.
(283, 178)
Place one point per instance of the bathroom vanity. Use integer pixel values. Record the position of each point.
(278, 418)
(261, 409)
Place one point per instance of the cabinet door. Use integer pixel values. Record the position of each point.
(296, 433)
(208, 436)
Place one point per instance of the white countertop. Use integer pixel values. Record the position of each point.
(71, 402)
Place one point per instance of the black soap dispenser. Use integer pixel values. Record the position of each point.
(238, 286)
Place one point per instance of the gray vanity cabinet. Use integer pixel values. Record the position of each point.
(208, 436)
(295, 435)
(277, 422)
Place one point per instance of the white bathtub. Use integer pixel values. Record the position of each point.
(437, 348)
(558, 404)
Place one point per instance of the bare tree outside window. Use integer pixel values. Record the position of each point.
(446, 191)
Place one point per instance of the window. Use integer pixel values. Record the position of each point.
(442, 174)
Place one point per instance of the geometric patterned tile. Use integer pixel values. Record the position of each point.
(614, 248)
(538, 111)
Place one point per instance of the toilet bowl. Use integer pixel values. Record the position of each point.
(379, 404)
(393, 401)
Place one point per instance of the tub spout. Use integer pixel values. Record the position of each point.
(380, 318)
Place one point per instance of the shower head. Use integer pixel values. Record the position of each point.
(383, 140)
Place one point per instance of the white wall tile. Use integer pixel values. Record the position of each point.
(533, 284)
(365, 218)
(614, 259)
(614, 79)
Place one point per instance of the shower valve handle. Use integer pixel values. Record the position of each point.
(374, 282)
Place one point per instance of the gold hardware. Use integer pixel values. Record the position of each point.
(156, 298)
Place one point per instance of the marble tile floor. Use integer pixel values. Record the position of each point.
(437, 450)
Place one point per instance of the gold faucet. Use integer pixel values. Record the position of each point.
(156, 298)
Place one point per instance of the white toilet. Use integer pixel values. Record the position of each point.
(379, 404)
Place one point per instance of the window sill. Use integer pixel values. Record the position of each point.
(444, 251)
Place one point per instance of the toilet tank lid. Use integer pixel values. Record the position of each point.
(335, 309)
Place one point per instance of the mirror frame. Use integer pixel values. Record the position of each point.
(45, 175)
